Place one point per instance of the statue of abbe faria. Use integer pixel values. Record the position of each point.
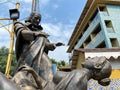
(34, 68)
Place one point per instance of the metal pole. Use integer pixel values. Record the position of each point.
(5, 19)
(10, 53)
(11, 47)
(34, 3)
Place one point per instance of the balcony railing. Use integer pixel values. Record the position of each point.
(96, 40)
(86, 34)
(103, 13)
(110, 30)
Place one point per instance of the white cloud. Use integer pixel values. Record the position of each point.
(58, 29)
(53, 30)
(3, 1)
(25, 10)
(68, 30)
(44, 2)
(11, 5)
(41, 2)
(4, 38)
(55, 6)
(59, 54)
(59, 32)
(27, 1)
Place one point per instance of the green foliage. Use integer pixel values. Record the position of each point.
(13, 64)
(63, 63)
(3, 60)
(54, 61)
(59, 64)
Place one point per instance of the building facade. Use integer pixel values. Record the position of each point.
(98, 27)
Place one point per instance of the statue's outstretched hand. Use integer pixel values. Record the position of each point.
(60, 44)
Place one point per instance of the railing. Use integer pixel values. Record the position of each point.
(96, 40)
(103, 13)
(110, 30)
(95, 20)
(87, 32)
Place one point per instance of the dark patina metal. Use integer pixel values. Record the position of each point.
(34, 68)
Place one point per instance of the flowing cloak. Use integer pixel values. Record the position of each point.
(33, 53)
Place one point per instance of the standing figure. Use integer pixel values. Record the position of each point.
(32, 47)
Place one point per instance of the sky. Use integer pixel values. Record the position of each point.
(59, 18)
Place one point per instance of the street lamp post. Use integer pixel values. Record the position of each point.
(14, 15)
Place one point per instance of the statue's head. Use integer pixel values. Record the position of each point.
(101, 69)
(34, 18)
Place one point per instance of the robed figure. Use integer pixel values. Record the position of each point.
(34, 68)
(32, 46)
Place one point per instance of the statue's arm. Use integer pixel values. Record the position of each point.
(31, 35)
(22, 30)
(26, 33)
(52, 46)
(59, 76)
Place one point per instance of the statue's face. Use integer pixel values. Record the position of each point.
(35, 20)
(100, 66)
(101, 69)
(103, 72)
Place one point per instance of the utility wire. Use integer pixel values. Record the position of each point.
(11, 23)
(5, 25)
(3, 2)
(10, 1)
(7, 1)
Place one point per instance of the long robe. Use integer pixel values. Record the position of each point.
(34, 53)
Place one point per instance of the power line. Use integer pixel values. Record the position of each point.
(3, 2)
(11, 23)
(8, 1)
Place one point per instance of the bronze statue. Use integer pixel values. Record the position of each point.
(32, 47)
(34, 68)
(97, 68)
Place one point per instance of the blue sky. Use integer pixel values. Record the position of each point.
(59, 18)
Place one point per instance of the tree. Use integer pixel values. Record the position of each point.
(59, 63)
(53, 61)
(63, 63)
(3, 60)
